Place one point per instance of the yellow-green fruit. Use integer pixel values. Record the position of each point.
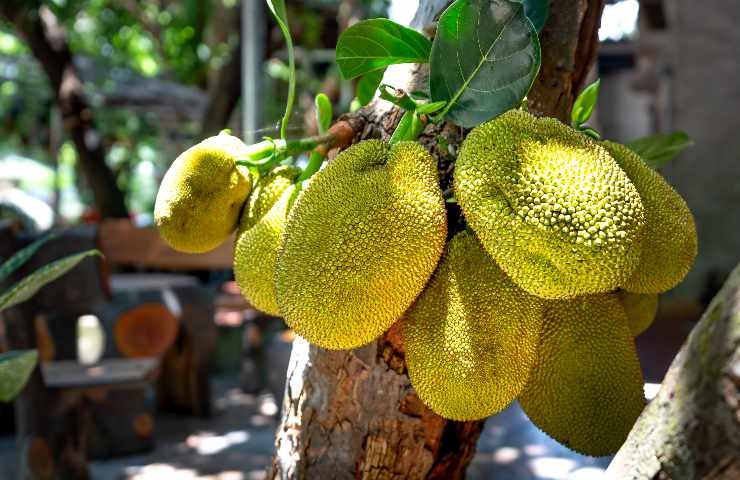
(360, 244)
(258, 239)
(471, 337)
(202, 194)
(640, 308)
(550, 205)
(586, 389)
(670, 244)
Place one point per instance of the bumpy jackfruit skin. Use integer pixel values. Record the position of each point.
(586, 388)
(258, 238)
(202, 194)
(670, 243)
(471, 337)
(640, 308)
(550, 205)
(360, 244)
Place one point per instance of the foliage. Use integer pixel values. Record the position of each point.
(16, 366)
(659, 149)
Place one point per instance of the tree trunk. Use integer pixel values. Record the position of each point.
(354, 414)
(691, 429)
(47, 42)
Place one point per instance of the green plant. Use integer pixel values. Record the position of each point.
(16, 366)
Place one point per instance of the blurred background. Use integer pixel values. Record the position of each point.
(98, 97)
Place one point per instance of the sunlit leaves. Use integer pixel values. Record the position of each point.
(372, 45)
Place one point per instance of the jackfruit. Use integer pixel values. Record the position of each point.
(586, 388)
(471, 337)
(258, 238)
(640, 309)
(202, 194)
(670, 244)
(550, 205)
(361, 242)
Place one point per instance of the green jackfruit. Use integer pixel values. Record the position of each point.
(471, 337)
(202, 194)
(586, 389)
(640, 309)
(360, 244)
(670, 244)
(550, 205)
(258, 239)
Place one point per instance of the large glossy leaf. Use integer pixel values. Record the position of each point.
(485, 58)
(22, 256)
(374, 44)
(27, 288)
(15, 368)
(659, 149)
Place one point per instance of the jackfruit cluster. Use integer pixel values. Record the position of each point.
(471, 337)
(202, 194)
(538, 298)
(360, 243)
(258, 238)
(550, 205)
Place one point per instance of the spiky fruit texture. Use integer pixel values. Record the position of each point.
(640, 308)
(471, 337)
(202, 194)
(258, 238)
(550, 205)
(360, 243)
(585, 390)
(670, 243)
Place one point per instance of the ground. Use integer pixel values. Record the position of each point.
(236, 444)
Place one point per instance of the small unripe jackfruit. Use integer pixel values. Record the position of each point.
(550, 205)
(360, 244)
(586, 388)
(640, 308)
(670, 244)
(202, 194)
(471, 337)
(258, 238)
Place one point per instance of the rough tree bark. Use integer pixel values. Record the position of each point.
(354, 414)
(691, 429)
(47, 41)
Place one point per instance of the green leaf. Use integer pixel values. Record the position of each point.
(374, 44)
(368, 85)
(22, 256)
(429, 108)
(15, 369)
(659, 149)
(584, 105)
(27, 288)
(537, 12)
(324, 112)
(485, 57)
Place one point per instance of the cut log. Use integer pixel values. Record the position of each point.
(146, 330)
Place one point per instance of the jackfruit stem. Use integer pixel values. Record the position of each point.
(269, 152)
(314, 164)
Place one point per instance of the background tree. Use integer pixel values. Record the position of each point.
(353, 414)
